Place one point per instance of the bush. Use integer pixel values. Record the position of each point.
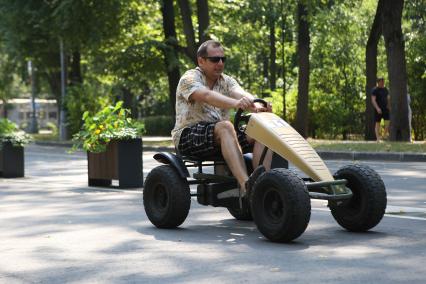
(9, 132)
(158, 125)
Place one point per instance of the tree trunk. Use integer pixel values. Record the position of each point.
(75, 76)
(4, 114)
(129, 102)
(170, 52)
(396, 64)
(54, 80)
(188, 29)
(371, 71)
(303, 49)
(203, 20)
(272, 55)
(284, 75)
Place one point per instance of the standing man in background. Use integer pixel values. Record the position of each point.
(381, 102)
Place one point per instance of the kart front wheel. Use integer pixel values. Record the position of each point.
(166, 197)
(368, 204)
(280, 205)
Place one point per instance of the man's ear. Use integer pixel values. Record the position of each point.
(200, 60)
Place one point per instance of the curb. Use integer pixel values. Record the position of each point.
(326, 155)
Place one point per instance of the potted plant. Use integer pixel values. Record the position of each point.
(114, 147)
(12, 141)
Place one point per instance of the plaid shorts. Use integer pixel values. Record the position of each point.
(198, 141)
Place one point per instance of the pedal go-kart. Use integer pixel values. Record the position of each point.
(278, 200)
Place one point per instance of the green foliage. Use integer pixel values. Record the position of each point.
(53, 128)
(337, 75)
(112, 122)
(415, 30)
(160, 125)
(90, 96)
(9, 132)
(277, 104)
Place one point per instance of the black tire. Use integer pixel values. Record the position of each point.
(242, 214)
(166, 197)
(368, 204)
(280, 205)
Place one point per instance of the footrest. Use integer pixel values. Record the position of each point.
(213, 177)
(218, 194)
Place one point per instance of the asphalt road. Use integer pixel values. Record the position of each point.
(55, 229)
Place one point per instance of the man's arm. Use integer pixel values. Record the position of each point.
(389, 102)
(218, 100)
(374, 102)
(240, 93)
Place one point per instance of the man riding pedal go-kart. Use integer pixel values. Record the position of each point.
(278, 199)
(275, 197)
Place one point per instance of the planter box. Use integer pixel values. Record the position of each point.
(121, 161)
(11, 160)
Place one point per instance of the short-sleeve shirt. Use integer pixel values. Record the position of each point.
(190, 112)
(381, 95)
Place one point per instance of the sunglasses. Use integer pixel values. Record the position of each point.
(216, 59)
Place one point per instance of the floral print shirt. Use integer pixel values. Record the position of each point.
(189, 112)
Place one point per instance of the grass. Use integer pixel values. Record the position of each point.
(368, 146)
(45, 137)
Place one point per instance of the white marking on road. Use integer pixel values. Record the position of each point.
(405, 217)
(387, 214)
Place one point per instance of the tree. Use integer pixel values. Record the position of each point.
(396, 63)
(371, 70)
(32, 30)
(415, 32)
(203, 24)
(170, 50)
(6, 81)
(303, 50)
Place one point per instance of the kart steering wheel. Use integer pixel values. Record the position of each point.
(239, 116)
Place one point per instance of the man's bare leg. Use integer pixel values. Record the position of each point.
(257, 154)
(377, 130)
(226, 137)
(386, 129)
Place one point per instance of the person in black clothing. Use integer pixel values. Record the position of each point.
(381, 102)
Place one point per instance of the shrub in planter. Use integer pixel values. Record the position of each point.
(114, 147)
(12, 141)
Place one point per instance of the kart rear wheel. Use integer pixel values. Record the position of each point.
(280, 205)
(367, 206)
(166, 197)
(242, 214)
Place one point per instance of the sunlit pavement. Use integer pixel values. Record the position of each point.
(56, 229)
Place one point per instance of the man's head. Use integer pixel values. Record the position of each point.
(380, 82)
(211, 58)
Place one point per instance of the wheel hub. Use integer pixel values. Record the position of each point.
(273, 206)
(161, 198)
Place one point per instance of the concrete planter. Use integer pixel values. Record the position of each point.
(121, 161)
(11, 160)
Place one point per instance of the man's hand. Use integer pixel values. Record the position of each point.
(259, 107)
(379, 110)
(244, 103)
